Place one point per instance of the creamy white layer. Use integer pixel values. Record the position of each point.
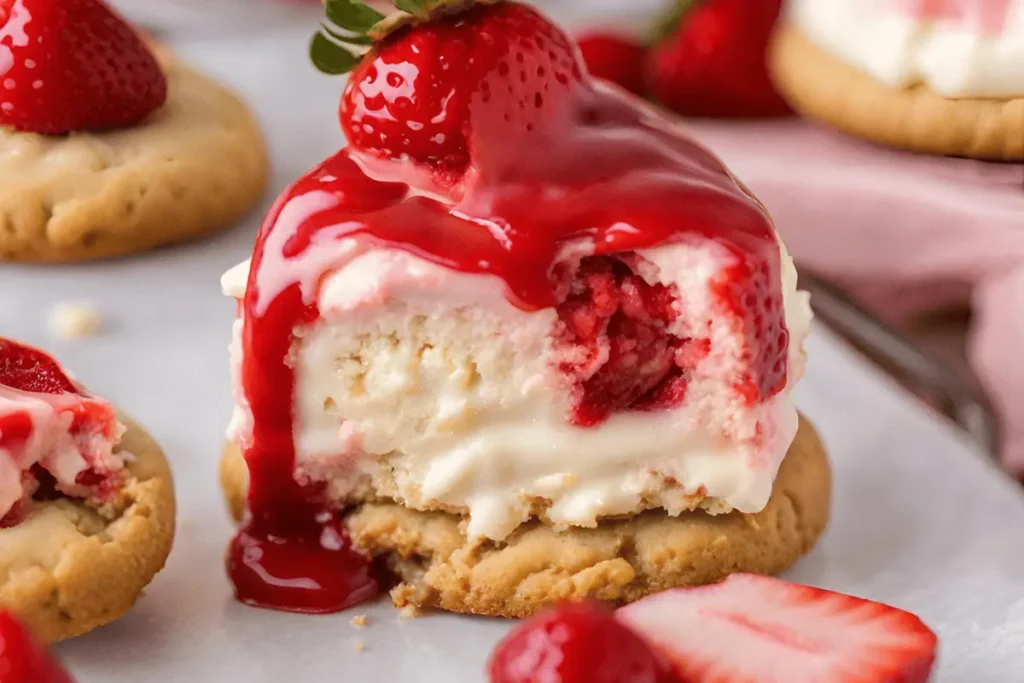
(50, 443)
(968, 49)
(429, 384)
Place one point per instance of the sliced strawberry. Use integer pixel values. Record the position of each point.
(578, 643)
(22, 659)
(750, 299)
(73, 65)
(713, 63)
(614, 59)
(29, 369)
(424, 91)
(755, 629)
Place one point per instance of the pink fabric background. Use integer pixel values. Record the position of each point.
(909, 232)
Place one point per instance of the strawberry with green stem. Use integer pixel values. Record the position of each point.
(445, 80)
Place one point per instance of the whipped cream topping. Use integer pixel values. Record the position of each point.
(36, 429)
(958, 49)
(428, 383)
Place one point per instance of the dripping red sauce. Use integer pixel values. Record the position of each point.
(614, 176)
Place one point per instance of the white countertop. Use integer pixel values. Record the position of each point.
(920, 520)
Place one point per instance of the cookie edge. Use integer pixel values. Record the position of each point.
(250, 159)
(766, 543)
(823, 87)
(97, 581)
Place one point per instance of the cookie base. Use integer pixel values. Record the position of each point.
(193, 168)
(67, 568)
(824, 87)
(618, 561)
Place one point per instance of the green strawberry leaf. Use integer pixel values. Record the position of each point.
(352, 15)
(670, 21)
(331, 58)
(345, 37)
(416, 7)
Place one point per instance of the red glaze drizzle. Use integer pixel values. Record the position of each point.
(614, 174)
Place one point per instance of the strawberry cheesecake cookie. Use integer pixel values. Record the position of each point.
(523, 340)
(107, 148)
(86, 500)
(935, 76)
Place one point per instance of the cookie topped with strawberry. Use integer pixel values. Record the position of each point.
(147, 138)
(71, 469)
(522, 306)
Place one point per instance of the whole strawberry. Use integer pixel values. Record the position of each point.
(22, 660)
(577, 643)
(447, 78)
(73, 65)
(615, 58)
(710, 60)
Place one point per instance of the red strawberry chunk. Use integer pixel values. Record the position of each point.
(22, 659)
(756, 629)
(28, 369)
(73, 65)
(577, 644)
(615, 345)
(749, 299)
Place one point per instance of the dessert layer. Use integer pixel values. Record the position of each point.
(426, 385)
(54, 443)
(958, 49)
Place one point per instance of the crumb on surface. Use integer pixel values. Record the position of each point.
(410, 611)
(74, 320)
(360, 646)
(359, 621)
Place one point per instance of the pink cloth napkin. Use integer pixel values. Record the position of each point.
(909, 232)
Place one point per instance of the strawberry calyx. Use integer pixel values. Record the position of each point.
(670, 20)
(350, 27)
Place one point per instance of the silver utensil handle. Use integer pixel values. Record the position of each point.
(958, 397)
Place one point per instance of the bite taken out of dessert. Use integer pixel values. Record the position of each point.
(109, 144)
(86, 500)
(523, 340)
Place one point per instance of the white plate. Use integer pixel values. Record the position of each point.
(920, 520)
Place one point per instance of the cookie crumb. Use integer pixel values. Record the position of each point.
(360, 647)
(359, 621)
(74, 320)
(402, 595)
(410, 611)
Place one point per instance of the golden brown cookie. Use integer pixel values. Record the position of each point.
(619, 561)
(68, 568)
(194, 167)
(824, 87)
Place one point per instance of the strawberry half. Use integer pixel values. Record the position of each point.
(73, 65)
(711, 59)
(22, 659)
(756, 629)
(579, 643)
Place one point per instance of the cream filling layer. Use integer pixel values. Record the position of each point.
(436, 374)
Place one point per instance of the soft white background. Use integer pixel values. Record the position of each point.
(920, 520)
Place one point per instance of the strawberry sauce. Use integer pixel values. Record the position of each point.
(613, 174)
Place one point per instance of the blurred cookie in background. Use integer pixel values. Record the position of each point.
(943, 77)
